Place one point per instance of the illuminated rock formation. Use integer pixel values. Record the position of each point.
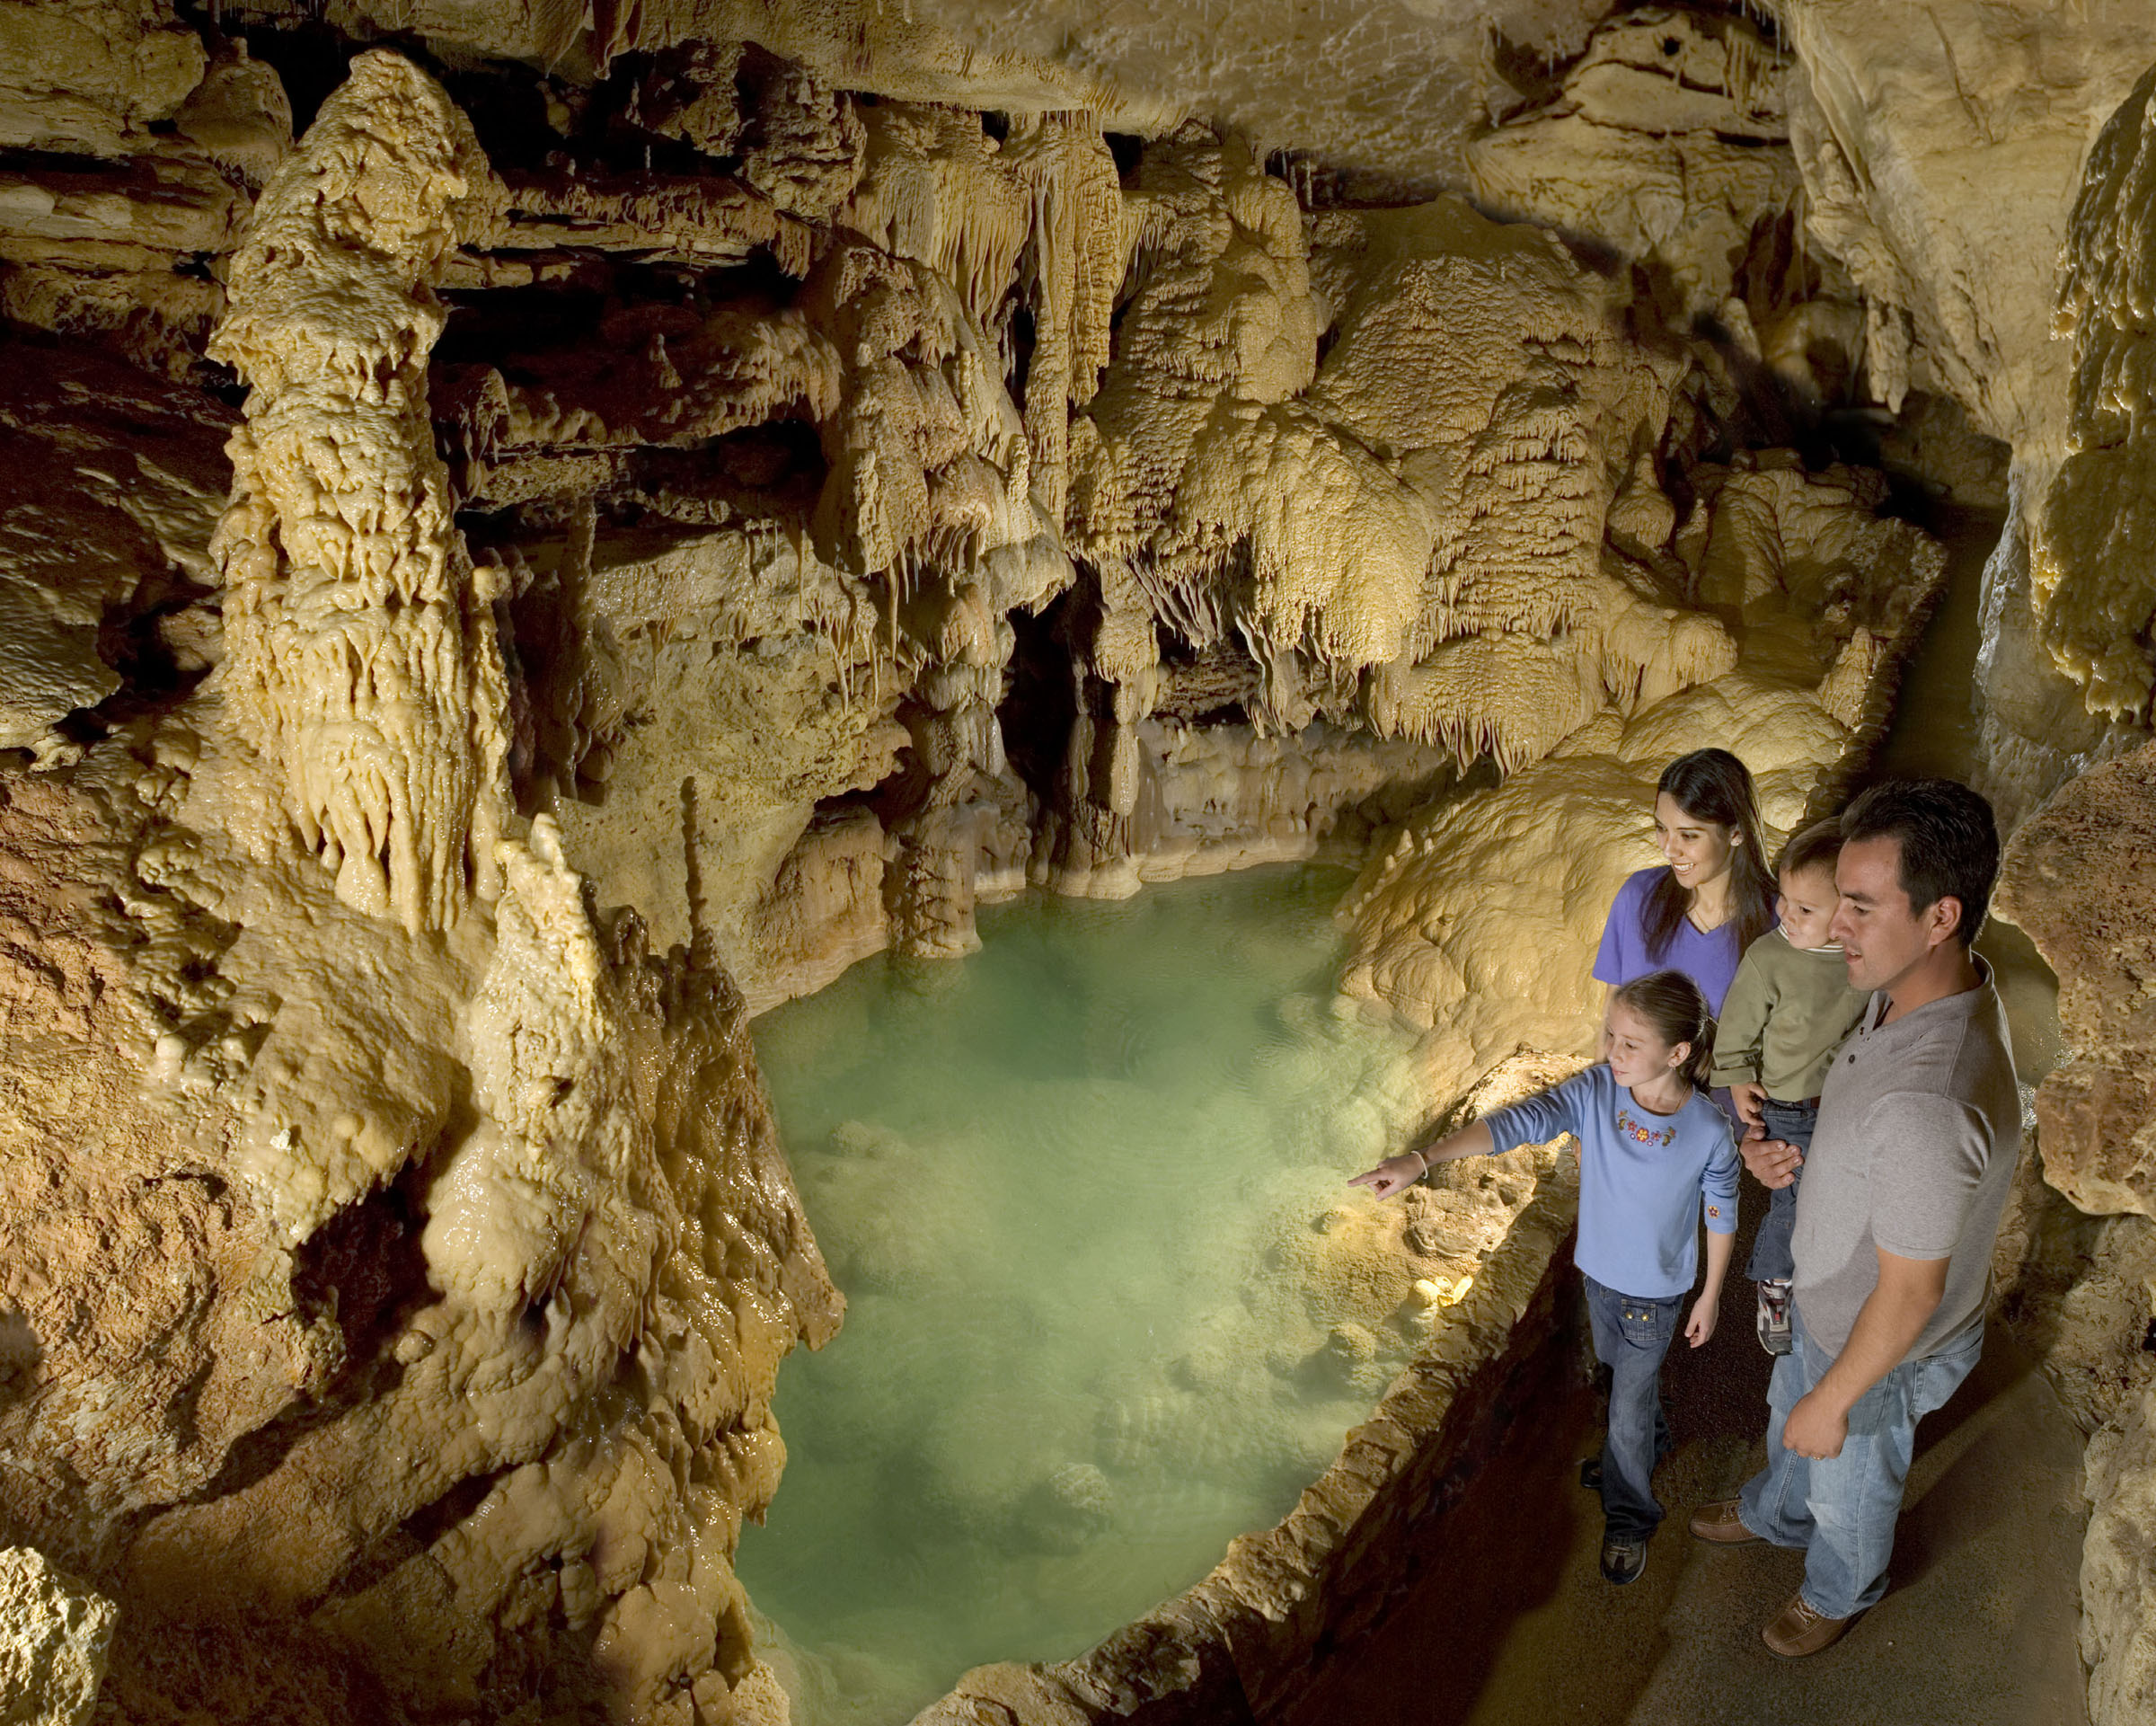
(53, 1637)
(2089, 588)
(2078, 878)
(1895, 116)
(363, 664)
(833, 463)
(1667, 141)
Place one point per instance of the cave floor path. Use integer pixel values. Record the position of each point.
(1510, 1623)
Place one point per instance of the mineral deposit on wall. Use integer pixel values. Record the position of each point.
(638, 508)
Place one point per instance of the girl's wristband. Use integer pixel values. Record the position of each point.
(1424, 1161)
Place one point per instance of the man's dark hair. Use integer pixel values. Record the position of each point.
(1948, 839)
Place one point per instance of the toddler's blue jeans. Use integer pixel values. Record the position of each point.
(1791, 1122)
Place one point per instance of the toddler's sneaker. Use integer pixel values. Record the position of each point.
(1774, 1315)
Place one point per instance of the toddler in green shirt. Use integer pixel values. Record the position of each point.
(1789, 1009)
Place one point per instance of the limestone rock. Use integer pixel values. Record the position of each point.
(90, 75)
(240, 115)
(1404, 85)
(2118, 1570)
(2079, 876)
(53, 1637)
(2089, 591)
(363, 657)
(1666, 140)
(111, 480)
(1896, 115)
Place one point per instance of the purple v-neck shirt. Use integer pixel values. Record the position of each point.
(1709, 960)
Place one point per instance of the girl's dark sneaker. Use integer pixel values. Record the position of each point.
(1774, 1317)
(1623, 1560)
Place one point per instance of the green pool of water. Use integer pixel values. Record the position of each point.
(1070, 1187)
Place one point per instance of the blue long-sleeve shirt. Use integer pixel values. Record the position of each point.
(1645, 1180)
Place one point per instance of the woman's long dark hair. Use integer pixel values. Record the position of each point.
(1713, 785)
(1671, 1002)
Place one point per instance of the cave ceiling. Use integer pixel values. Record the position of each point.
(1384, 91)
(529, 546)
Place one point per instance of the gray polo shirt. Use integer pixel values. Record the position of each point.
(1920, 1125)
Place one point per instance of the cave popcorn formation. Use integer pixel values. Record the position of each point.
(716, 491)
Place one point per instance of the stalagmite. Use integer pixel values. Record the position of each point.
(726, 489)
(363, 664)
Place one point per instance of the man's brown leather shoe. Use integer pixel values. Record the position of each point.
(1719, 1524)
(1800, 1630)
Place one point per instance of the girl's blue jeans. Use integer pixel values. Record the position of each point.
(1631, 1336)
(1792, 1122)
(1842, 1510)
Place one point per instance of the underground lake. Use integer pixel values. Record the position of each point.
(1107, 1307)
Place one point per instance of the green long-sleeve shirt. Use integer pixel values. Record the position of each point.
(1786, 1013)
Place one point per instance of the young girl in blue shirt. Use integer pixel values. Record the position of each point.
(1656, 1157)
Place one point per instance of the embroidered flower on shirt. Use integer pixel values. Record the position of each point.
(1714, 1210)
(1639, 1134)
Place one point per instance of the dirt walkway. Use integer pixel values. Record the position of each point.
(1511, 1623)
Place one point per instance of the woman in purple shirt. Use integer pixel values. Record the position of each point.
(1712, 899)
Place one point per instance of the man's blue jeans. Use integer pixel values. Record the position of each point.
(1842, 1510)
(1792, 1123)
(1631, 1336)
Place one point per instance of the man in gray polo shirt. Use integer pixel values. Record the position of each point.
(1920, 1124)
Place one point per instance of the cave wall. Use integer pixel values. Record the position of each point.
(631, 511)
(1951, 161)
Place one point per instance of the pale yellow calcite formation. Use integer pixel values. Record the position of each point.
(363, 663)
(1667, 140)
(2090, 584)
(53, 1637)
(382, 1302)
(1476, 922)
(1431, 501)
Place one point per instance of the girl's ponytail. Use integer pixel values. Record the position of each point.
(1672, 1002)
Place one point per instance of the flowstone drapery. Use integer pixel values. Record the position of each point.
(794, 471)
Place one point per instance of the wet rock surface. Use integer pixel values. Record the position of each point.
(715, 491)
